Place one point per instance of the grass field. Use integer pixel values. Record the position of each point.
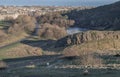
(52, 72)
(24, 64)
(6, 49)
(36, 67)
(14, 44)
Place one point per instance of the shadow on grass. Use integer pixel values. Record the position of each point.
(30, 58)
(46, 45)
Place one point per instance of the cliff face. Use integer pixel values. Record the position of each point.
(100, 18)
(89, 36)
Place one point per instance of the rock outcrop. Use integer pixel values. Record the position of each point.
(89, 36)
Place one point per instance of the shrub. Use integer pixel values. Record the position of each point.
(49, 31)
(87, 58)
(55, 18)
(91, 60)
(22, 23)
(15, 29)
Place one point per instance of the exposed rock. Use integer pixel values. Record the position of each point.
(88, 36)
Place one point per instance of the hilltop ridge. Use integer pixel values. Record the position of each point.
(105, 17)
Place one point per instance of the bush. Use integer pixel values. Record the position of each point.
(49, 31)
(87, 58)
(91, 60)
(15, 29)
(23, 23)
(55, 18)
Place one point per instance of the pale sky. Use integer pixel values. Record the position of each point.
(57, 2)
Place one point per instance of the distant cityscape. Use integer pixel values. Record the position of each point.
(15, 11)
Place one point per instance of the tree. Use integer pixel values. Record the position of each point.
(55, 18)
(49, 31)
(87, 58)
(23, 23)
(15, 29)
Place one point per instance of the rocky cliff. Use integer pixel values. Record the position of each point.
(99, 37)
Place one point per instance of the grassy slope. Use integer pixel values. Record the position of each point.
(103, 45)
(16, 47)
(15, 51)
(12, 39)
(52, 72)
(5, 50)
(18, 50)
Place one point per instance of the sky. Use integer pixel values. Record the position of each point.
(57, 2)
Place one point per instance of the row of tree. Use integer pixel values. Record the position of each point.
(52, 25)
(55, 18)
